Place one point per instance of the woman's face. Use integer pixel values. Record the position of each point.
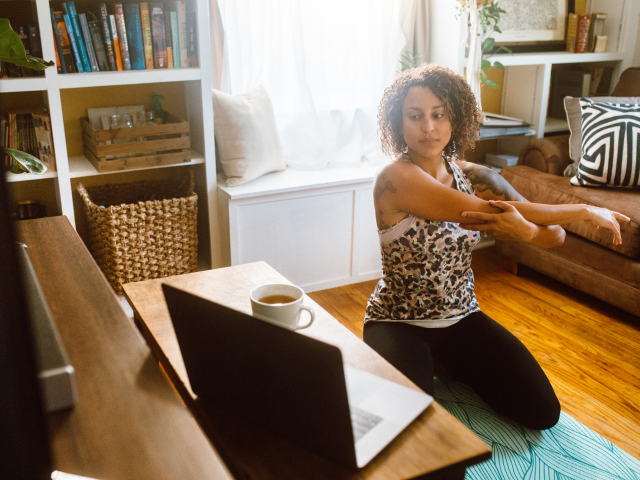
(425, 126)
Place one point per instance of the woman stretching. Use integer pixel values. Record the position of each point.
(430, 208)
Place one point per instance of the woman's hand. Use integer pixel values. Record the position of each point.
(601, 217)
(508, 225)
(511, 225)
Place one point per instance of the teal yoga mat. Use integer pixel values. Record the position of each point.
(568, 451)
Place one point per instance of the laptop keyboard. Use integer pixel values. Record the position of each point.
(362, 421)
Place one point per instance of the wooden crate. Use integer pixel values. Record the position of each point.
(150, 153)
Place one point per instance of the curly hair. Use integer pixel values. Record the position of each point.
(454, 92)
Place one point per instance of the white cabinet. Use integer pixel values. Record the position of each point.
(317, 228)
(69, 95)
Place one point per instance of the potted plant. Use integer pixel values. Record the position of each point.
(482, 18)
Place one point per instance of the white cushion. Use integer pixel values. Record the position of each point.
(247, 139)
(610, 144)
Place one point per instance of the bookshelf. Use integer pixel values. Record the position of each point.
(527, 79)
(187, 94)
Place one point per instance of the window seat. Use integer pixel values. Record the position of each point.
(316, 227)
(294, 180)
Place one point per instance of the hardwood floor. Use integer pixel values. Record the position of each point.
(589, 349)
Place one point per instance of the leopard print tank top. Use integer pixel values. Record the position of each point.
(426, 270)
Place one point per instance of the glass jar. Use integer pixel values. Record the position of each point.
(143, 119)
(121, 121)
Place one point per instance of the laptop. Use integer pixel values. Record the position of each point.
(291, 385)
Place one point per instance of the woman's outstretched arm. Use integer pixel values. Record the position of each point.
(509, 224)
(408, 189)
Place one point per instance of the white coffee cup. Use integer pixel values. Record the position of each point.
(280, 304)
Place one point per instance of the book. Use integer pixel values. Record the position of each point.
(157, 32)
(175, 38)
(44, 139)
(95, 29)
(600, 44)
(572, 32)
(582, 37)
(168, 39)
(108, 39)
(82, 19)
(62, 42)
(35, 45)
(501, 159)
(596, 28)
(56, 49)
(70, 9)
(493, 119)
(122, 36)
(181, 12)
(116, 42)
(147, 36)
(134, 35)
(23, 33)
(74, 45)
(58, 25)
(490, 132)
(192, 39)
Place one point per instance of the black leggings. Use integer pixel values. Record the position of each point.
(479, 352)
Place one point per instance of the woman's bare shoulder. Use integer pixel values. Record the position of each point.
(396, 170)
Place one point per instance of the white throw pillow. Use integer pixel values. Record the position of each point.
(246, 135)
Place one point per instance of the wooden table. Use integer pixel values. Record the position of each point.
(128, 422)
(436, 445)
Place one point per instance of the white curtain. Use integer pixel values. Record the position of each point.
(325, 64)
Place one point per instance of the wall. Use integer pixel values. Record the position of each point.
(446, 53)
(636, 54)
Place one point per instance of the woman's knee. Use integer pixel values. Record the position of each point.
(544, 416)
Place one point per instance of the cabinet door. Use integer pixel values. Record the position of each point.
(367, 259)
(307, 239)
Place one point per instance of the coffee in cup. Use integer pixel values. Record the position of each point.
(280, 304)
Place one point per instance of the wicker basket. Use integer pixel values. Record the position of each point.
(142, 230)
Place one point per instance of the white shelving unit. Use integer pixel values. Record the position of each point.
(528, 75)
(196, 83)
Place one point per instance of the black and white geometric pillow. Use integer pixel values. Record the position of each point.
(610, 145)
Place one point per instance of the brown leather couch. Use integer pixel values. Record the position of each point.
(588, 260)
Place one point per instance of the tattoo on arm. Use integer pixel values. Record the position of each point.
(489, 185)
(380, 218)
(382, 185)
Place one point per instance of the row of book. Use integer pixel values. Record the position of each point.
(585, 32)
(28, 130)
(30, 36)
(129, 36)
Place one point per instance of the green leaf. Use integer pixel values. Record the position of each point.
(485, 64)
(483, 74)
(491, 83)
(498, 65)
(28, 162)
(12, 50)
(488, 44)
(496, 29)
(16, 168)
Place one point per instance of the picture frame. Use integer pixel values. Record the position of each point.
(532, 21)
